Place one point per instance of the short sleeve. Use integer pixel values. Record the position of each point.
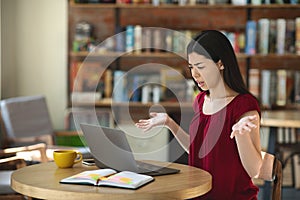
(244, 104)
(198, 102)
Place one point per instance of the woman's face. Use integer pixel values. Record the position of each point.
(204, 71)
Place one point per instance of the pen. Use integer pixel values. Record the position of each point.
(101, 178)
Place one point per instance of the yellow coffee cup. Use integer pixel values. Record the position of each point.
(66, 158)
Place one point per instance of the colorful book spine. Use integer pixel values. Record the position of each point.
(129, 38)
(251, 37)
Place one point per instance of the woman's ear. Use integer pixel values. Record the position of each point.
(220, 65)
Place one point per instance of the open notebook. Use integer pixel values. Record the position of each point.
(109, 177)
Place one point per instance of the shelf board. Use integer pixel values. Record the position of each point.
(173, 55)
(162, 6)
(139, 105)
(276, 56)
(173, 6)
(274, 6)
(124, 54)
(275, 61)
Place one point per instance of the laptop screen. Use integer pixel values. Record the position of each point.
(109, 147)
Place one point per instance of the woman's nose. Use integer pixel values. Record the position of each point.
(195, 72)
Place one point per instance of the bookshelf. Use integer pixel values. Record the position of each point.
(105, 19)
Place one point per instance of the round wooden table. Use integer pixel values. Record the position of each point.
(42, 181)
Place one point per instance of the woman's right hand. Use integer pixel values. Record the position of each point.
(156, 119)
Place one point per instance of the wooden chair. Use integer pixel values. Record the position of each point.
(10, 162)
(271, 171)
(26, 121)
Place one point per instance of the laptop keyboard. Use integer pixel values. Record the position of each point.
(148, 167)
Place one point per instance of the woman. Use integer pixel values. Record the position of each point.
(224, 133)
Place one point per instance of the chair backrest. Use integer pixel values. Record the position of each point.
(271, 170)
(26, 118)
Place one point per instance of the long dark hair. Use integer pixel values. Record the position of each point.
(215, 45)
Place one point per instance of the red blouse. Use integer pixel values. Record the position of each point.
(212, 149)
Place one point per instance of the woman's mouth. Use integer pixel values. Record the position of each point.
(201, 84)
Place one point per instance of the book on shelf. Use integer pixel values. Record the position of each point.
(296, 161)
(281, 87)
(265, 88)
(251, 30)
(264, 137)
(290, 86)
(272, 36)
(138, 38)
(85, 96)
(89, 81)
(297, 35)
(107, 83)
(158, 39)
(263, 35)
(280, 40)
(146, 39)
(256, 2)
(237, 40)
(254, 76)
(168, 40)
(86, 76)
(287, 171)
(75, 116)
(278, 87)
(268, 88)
(74, 68)
(110, 178)
(129, 42)
(144, 87)
(119, 93)
(120, 39)
(297, 87)
(174, 85)
(290, 36)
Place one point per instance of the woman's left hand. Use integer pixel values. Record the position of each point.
(244, 125)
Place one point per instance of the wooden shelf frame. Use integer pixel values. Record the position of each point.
(188, 6)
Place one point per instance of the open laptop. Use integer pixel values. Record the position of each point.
(111, 149)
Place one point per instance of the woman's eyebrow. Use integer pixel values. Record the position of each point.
(196, 63)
